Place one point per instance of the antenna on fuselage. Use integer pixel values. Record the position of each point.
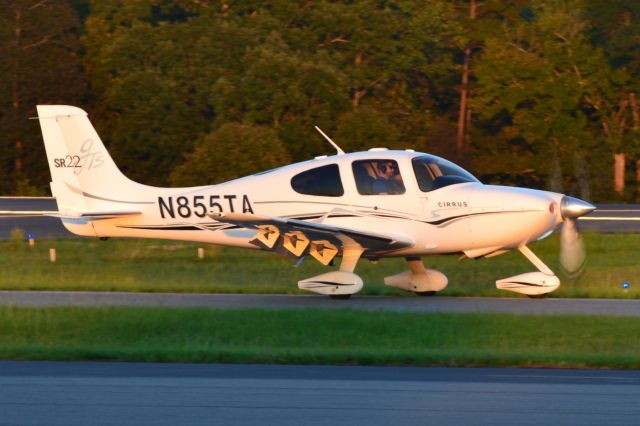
(335, 145)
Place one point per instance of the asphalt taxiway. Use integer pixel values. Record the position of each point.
(89, 393)
(549, 306)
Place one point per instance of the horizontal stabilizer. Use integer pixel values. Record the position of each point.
(10, 213)
(69, 214)
(96, 214)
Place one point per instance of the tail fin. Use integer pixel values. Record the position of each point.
(82, 171)
(84, 176)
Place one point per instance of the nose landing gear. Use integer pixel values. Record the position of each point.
(533, 284)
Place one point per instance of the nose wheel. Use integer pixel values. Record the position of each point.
(536, 285)
(425, 293)
(537, 296)
(340, 296)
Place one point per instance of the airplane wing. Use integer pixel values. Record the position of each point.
(298, 234)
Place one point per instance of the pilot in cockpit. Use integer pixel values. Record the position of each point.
(389, 180)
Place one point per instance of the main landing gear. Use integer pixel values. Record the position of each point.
(339, 284)
(418, 279)
(343, 283)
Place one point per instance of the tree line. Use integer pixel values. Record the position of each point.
(537, 93)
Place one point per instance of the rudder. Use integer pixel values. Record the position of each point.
(84, 177)
(83, 174)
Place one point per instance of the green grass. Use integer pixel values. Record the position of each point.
(318, 337)
(159, 266)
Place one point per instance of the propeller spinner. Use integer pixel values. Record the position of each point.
(572, 254)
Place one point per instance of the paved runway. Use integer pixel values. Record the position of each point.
(608, 218)
(550, 306)
(612, 218)
(81, 393)
(42, 227)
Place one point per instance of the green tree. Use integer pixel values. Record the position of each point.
(366, 128)
(281, 64)
(534, 89)
(616, 29)
(396, 55)
(329, 58)
(153, 65)
(481, 20)
(281, 89)
(39, 49)
(234, 150)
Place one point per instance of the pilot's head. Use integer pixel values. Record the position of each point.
(388, 168)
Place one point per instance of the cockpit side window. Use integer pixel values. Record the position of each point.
(322, 181)
(378, 177)
(434, 173)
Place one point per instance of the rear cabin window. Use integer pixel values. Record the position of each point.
(322, 181)
(378, 177)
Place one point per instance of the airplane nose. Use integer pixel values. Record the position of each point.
(572, 208)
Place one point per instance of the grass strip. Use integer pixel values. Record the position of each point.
(162, 266)
(318, 337)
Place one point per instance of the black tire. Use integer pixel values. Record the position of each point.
(425, 293)
(339, 296)
(537, 296)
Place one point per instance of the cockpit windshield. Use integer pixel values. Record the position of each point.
(433, 173)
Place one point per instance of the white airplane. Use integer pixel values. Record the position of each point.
(374, 204)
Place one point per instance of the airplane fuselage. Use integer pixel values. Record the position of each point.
(378, 203)
(456, 218)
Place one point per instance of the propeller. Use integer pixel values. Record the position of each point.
(572, 253)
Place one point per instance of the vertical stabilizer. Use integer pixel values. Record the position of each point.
(65, 186)
(84, 176)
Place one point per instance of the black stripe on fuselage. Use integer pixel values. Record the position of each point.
(165, 228)
(219, 226)
(182, 227)
(462, 216)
